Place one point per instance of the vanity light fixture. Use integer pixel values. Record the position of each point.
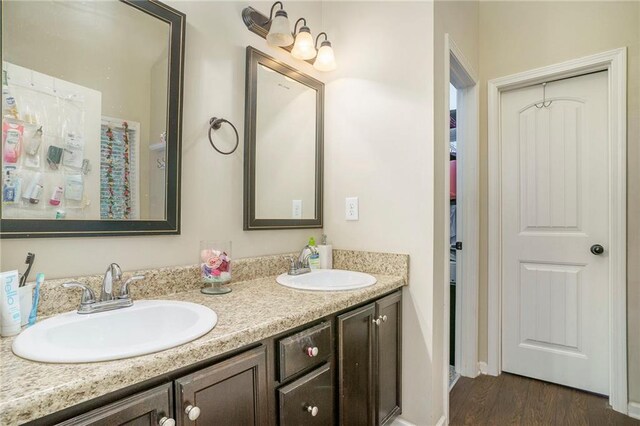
(279, 32)
(303, 47)
(276, 31)
(325, 60)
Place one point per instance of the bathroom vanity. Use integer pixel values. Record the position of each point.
(277, 356)
(342, 369)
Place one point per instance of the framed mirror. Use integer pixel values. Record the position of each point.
(283, 146)
(91, 118)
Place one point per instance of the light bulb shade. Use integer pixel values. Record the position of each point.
(280, 31)
(326, 60)
(303, 47)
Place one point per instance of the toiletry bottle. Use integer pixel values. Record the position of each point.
(9, 304)
(314, 257)
(36, 190)
(56, 196)
(326, 254)
(9, 106)
(8, 189)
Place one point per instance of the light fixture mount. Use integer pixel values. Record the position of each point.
(259, 24)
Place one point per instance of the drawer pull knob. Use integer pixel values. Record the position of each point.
(384, 318)
(192, 411)
(376, 321)
(166, 421)
(312, 410)
(312, 351)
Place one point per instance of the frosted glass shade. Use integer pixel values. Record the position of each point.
(303, 47)
(280, 31)
(326, 60)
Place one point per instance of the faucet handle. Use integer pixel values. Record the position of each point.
(124, 290)
(88, 296)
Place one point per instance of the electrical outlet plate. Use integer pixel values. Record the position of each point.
(296, 209)
(351, 206)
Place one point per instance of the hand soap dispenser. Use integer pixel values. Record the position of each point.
(311, 251)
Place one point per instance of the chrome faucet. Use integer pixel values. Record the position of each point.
(107, 302)
(113, 272)
(301, 264)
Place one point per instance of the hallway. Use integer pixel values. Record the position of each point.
(514, 400)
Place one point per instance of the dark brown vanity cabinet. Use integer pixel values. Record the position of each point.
(369, 357)
(287, 380)
(232, 392)
(149, 408)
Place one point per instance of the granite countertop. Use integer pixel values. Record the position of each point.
(254, 310)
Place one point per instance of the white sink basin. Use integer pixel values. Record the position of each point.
(147, 326)
(327, 280)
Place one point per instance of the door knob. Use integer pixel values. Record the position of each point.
(376, 321)
(312, 410)
(597, 249)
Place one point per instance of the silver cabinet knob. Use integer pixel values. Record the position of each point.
(312, 351)
(193, 412)
(312, 410)
(166, 421)
(383, 318)
(376, 321)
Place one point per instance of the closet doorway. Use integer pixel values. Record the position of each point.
(462, 221)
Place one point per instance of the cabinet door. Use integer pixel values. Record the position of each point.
(309, 400)
(143, 409)
(356, 366)
(389, 311)
(233, 392)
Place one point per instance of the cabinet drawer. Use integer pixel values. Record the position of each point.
(304, 350)
(309, 395)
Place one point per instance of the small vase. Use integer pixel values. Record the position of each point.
(215, 266)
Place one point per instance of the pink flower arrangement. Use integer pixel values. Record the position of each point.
(215, 265)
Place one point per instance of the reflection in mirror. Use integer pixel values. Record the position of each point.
(283, 146)
(84, 111)
(285, 135)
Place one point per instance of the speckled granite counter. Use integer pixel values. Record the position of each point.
(254, 310)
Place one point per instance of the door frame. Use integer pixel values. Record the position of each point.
(615, 62)
(459, 72)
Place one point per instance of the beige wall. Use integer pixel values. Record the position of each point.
(459, 19)
(518, 36)
(379, 147)
(211, 183)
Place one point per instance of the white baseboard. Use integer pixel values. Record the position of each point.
(483, 367)
(634, 410)
(442, 421)
(398, 421)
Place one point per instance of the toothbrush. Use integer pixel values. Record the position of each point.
(36, 299)
(31, 257)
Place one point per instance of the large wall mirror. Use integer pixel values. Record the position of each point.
(91, 118)
(283, 146)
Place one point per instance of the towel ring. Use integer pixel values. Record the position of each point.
(214, 124)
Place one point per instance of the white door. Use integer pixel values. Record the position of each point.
(555, 197)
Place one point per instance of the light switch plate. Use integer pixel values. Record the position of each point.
(351, 212)
(296, 209)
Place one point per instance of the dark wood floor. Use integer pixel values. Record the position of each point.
(515, 400)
